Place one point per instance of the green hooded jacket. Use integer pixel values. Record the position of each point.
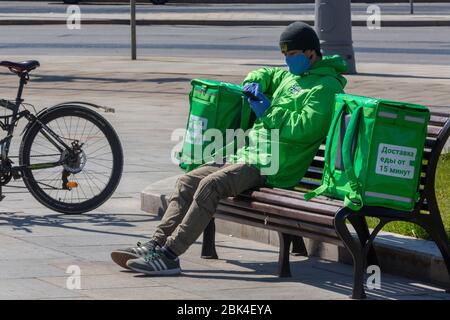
(301, 109)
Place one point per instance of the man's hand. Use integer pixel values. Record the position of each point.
(258, 106)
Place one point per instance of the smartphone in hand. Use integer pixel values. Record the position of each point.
(250, 95)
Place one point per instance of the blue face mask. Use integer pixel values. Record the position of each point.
(298, 64)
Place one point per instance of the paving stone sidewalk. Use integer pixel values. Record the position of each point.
(150, 99)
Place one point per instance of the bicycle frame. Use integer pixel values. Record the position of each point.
(9, 122)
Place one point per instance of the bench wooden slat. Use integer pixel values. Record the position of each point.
(433, 131)
(294, 214)
(317, 164)
(305, 226)
(440, 114)
(430, 142)
(320, 153)
(313, 175)
(294, 203)
(309, 184)
(437, 120)
(309, 227)
(337, 204)
(258, 223)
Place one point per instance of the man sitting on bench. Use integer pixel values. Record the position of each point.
(300, 109)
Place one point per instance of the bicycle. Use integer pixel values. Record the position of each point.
(70, 157)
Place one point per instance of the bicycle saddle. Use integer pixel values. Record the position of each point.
(20, 67)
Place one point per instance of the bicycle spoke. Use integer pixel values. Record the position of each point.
(84, 128)
(60, 131)
(65, 124)
(93, 184)
(93, 178)
(47, 147)
(88, 183)
(92, 161)
(98, 151)
(91, 145)
(48, 184)
(70, 127)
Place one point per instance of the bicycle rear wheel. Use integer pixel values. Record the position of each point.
(90, 169)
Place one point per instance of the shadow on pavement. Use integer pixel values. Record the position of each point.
(28, 222)
(36, 77)
(275, 251)
(56, 78)
(325, 275)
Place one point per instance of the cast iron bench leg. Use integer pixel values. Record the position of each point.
(356, 252)
(298, 247)
(209, 242)
(284, 269)
(360, 224)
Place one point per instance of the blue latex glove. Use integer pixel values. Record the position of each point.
(258, 107)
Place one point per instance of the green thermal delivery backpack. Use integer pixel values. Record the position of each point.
(373, 153)
(213, 105)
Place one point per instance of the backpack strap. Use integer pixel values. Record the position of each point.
(353, 199)
(326, 168)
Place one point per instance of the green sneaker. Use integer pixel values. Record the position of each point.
(122, 256)
(156, 263)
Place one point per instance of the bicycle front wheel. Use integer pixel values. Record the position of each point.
(89, 167)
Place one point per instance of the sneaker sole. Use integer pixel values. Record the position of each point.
(157, 273)
(122, 257)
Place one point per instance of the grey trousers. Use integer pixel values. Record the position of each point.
(195, 199)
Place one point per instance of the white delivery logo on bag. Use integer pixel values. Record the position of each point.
(197, 125)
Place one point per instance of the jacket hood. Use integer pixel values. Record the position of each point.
(331, 66)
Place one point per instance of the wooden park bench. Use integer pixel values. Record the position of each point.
(324, 219)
